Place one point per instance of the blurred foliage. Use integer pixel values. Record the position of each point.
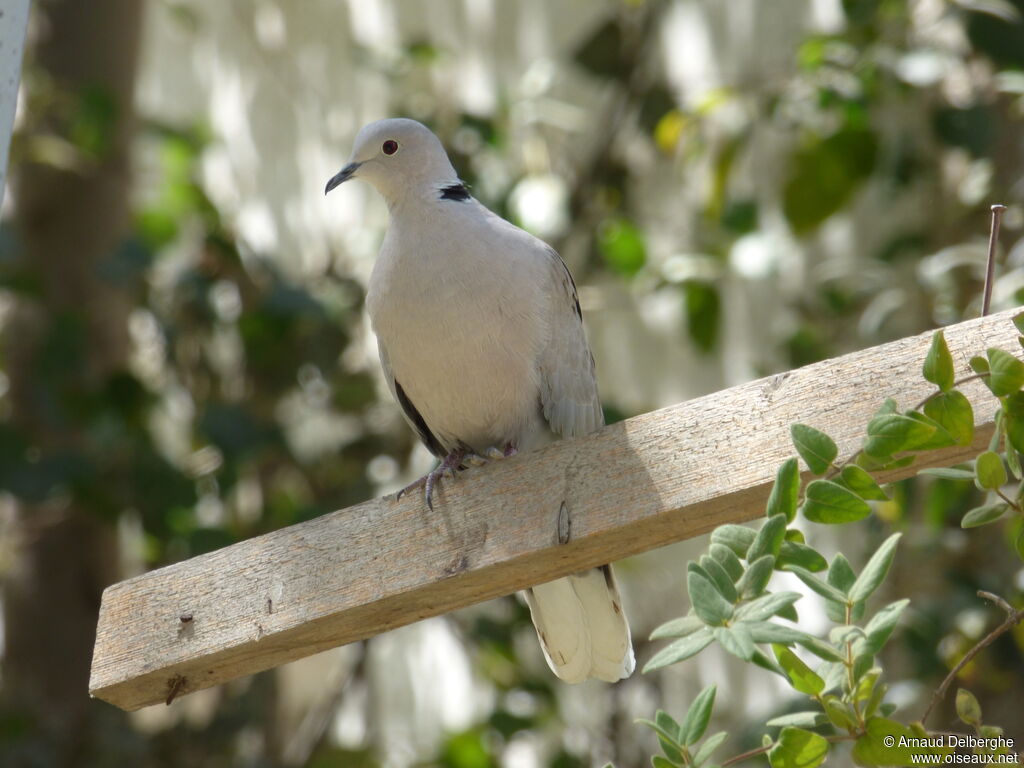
(240, 413)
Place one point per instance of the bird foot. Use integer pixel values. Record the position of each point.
(449, 466)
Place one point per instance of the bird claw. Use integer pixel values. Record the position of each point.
(449, 466)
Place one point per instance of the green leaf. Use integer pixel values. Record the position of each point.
(979, 365)
(721, 579)
(883, 463)
(940, 438)
(680, 650)
(815, 447)
(703, 305)
(1007, 374)
(809, 719)
(938, 365)
(711, 743)
(828, 502)
(766, 606)
(738, 538)
(871, 748)
(736, 640)
(876, 569)
(1013, 418)
(1019, 544)
(818, 585)
(989, 471)
(881, 626)
(948, 473)
(1018, 322)
(893, 432)
(657, 761)
(840, 714)
(668, 737)
(681, 627)
(706, 600)
(954, 413)
(984, 515)
(786, 491)
(769, 539)
(1013, 460)
(728, 560)
(801, 677)
(862, 483)
(697, 717)
(824, 173)
(664, 725)
(840, 574)
(764, 661)
(756, 577)
(797, 748)
(621, 244)
(792, 553)
(770, 632)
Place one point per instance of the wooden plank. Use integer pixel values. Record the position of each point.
(636, 485)
(13, 24)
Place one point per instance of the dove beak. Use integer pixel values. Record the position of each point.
(342, 176)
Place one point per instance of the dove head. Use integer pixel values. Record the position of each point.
(397, 156)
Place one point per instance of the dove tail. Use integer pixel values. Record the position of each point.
(582, 628)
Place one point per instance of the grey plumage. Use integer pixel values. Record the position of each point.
(482, 344)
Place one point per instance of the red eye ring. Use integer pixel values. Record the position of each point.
(389, 147)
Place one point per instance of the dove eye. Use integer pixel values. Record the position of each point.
(389, 147)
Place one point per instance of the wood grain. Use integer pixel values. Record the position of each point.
(642, 483)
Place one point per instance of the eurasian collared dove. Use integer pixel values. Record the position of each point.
(482, 344)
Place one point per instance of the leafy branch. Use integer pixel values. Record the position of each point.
(732, 605)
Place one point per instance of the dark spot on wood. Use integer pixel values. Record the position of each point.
(270, 605)
(457, 565)
(457, 192)
(175, 686)
(617, 607)
(185, 618)
(564, 524)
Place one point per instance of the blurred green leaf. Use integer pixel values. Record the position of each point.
(621, 245)
(967, 707)
(824, 173)
(601, 53)
(984, 515)
(703, 313)
(797, 748)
